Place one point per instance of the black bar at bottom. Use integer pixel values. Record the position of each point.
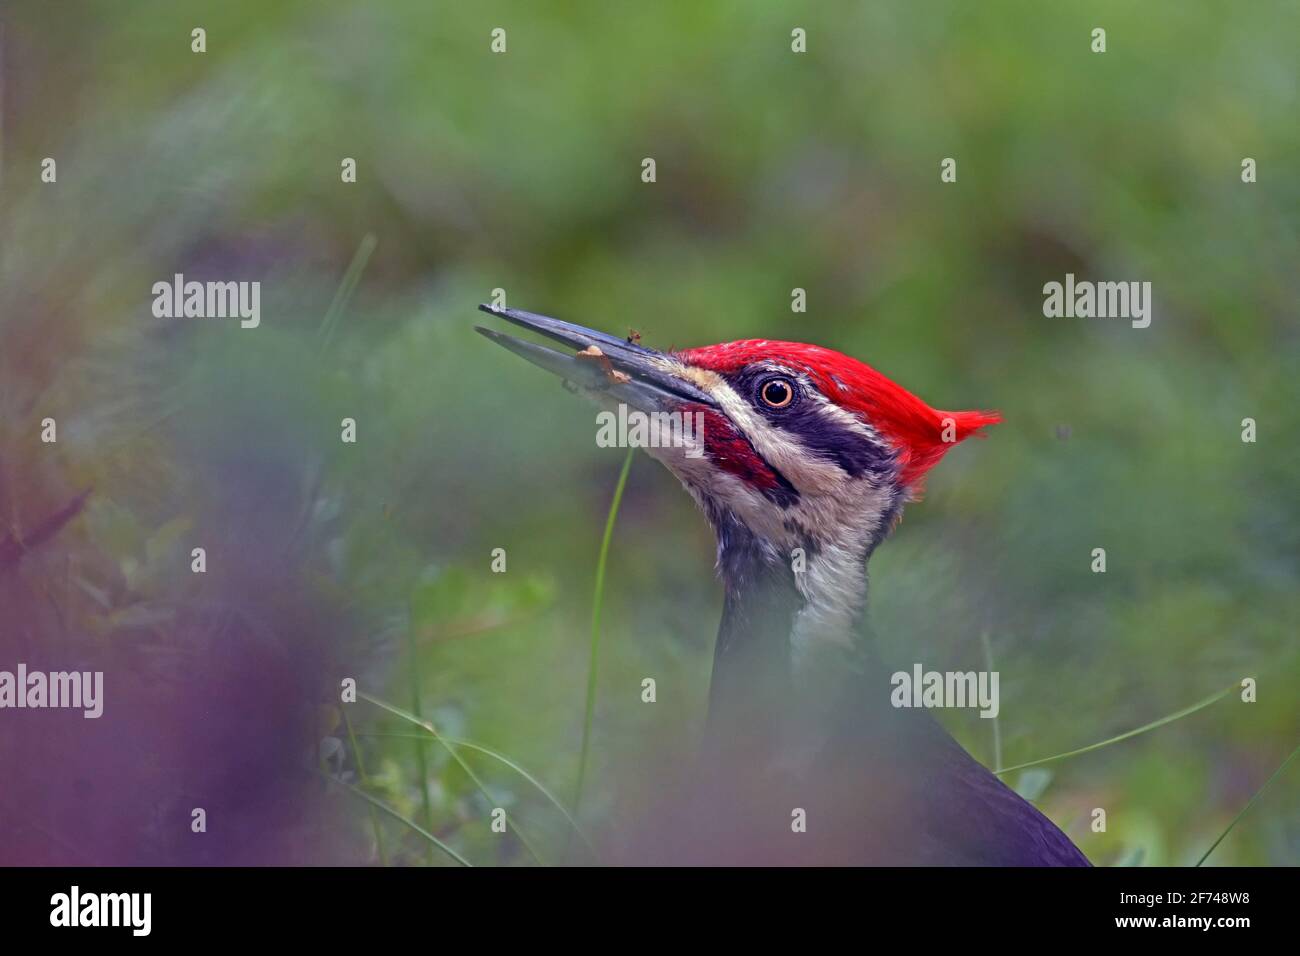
(363, 905)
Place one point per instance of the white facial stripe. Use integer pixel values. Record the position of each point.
(834, 580)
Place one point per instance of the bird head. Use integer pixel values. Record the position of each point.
(804, 446)
(798, 454)
(802, 459)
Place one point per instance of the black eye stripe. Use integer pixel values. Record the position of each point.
(804, 418)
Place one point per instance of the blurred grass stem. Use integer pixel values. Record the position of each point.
(593, 663)
(1168, 719)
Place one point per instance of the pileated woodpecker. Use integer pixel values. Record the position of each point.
(808, 457)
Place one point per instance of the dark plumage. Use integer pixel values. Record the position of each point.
(879, 784)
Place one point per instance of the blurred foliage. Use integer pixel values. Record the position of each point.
(775, 170)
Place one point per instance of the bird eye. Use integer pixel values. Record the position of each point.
(777, 393)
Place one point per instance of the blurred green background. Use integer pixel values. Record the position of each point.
(775, 170)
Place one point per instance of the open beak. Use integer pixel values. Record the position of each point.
(619, 370)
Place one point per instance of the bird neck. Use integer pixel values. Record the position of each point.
(791, 643)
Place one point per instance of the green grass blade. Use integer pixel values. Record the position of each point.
(593, 663)
(343, 294)
(997, 727)
(502, 758)
(1250, 803)
(365, 782)
(380, 805)
(541, 788)
(421, 764)
(460, 761)
(1168, 719)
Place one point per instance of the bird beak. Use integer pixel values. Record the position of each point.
(619, 370)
